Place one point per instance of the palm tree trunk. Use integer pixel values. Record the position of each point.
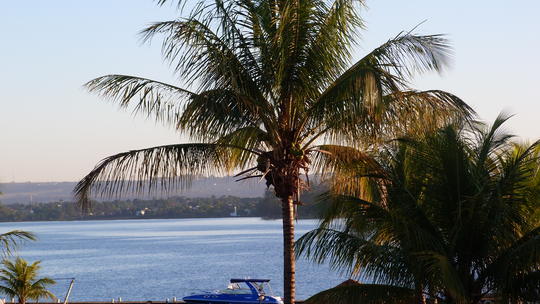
(288, 250)
(421, 298)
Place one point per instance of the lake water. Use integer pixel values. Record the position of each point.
(159, 259)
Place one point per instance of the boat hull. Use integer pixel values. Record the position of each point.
(223, 302)
(234, 294)
(217, 299)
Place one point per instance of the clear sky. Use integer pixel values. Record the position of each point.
(52, 130)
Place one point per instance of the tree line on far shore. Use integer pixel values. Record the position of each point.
(174, 207)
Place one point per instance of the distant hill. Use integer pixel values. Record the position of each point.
(63, 191)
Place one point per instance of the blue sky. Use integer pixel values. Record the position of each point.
(52, 130)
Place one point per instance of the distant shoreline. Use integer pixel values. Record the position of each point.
(267, 208)
(170, 208)
(137, 219)
(209, 204)
(90, 219)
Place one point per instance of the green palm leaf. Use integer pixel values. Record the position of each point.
(202, 54)
(151, 98)
(216, 113)
(166, 167)
(380, 72)
(10, 240)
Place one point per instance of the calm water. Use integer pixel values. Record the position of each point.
(158, 259)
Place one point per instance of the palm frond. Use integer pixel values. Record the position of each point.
(162, 2)
(442, 271)
(8, 291)
(355, 255)
(395, 115)
(358, 216)
(409, 53)
(492, 139)
(38, 289)
(10, 240)
(237, 26)
(147, 97)
(327, 51)
(518, 260)
(349, 170)
(415, 112)
(313, 45)
(329, 158)
(374, 89)
(218, 63)
(382, 71)
(518, 168)
(216, 113)
(166, 167)
(251, 138)
(200, 53)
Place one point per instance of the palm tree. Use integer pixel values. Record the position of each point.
(18, 279)
(273, 81)
(446, 217)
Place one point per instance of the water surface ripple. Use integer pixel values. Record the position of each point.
(159, 259)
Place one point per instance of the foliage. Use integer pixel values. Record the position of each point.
(172, 207)
(272, 81)
(9, 241)
(533, 187)
(18, 279)
(269, 207)
(448, 215)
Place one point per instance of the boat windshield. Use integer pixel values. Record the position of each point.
(269, 288)
(261, 287)
(235, 288)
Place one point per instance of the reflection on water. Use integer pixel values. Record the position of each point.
(158, 259)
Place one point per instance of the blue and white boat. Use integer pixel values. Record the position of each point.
(239, 291)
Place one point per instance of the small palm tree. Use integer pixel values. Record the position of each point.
(18, 279)
(447, 217)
